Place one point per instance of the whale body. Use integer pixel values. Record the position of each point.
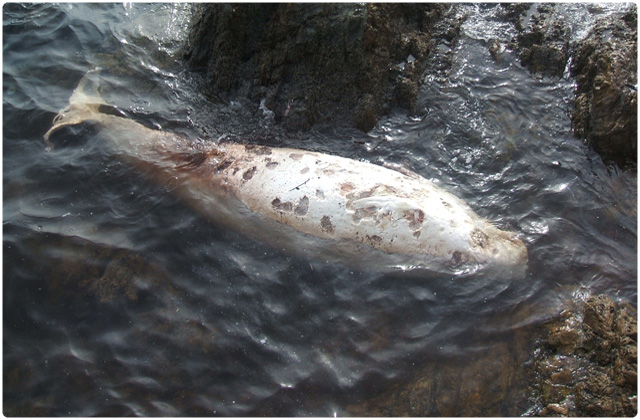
(329, 207)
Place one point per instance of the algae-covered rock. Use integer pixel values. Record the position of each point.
(310, 63)
(542, 42)
(605, 68)
(604, 65)
(587, 365)
(77, 268)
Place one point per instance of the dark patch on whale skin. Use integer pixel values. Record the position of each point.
(374, 239)
(300, 209)
(270, 164)
(347, 187)
(281, 206)
(258, 149)
(415, 218)
(303, 206)
(224, 165)
(369, 212)
(190, 159)
(479, 238)
(248, 174)
(326, 225)
(457, 259)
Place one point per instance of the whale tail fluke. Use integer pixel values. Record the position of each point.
(84, 103)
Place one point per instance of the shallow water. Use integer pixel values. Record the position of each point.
(121, 300)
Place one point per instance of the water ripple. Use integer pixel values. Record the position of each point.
(124, 301)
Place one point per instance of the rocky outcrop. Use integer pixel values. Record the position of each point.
(587, 365)
(605, 68)
(311, 63)
(542, 43)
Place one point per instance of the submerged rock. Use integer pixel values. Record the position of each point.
(491, 381)
(312, 63)
(78, 269)
(587, 365)
(605, 68)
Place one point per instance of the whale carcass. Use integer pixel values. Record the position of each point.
(329, 207)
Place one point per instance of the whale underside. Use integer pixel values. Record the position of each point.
(319, 205)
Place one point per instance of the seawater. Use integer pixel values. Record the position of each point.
(120, 300)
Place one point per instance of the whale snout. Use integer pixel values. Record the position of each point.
(509, 253)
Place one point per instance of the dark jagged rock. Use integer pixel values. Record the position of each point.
(311, 63)
(587, 365)
(605, 68)
(542, 43)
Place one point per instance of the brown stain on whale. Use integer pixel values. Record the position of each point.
(479, 238)
(224, 165)
(326, 225)
(347, 187)
(457, 259)
(258, 149)
(249, 173)
(415, 218)
(282, 206)
(302, 208)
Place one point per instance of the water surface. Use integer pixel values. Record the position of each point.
(121, 300)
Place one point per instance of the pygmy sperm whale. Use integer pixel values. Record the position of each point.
(327, 207)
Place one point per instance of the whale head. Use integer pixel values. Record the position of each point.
(500, 253)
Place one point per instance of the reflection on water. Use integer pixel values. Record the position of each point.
(120, 300)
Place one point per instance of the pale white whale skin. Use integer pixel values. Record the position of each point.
(325, 206)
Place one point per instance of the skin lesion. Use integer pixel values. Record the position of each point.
(257, 149)
(457, 259)
(479, 238)
(302, 208)
(249, 173)
(282, 206)
(221, 166)
(326, 225)
(347, 187)
(415, 218)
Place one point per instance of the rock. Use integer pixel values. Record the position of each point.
(542, 43)
(587, 365)
(489, 382)
(605, 68)
(314, 63)
(79, 269)
(604, 65)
